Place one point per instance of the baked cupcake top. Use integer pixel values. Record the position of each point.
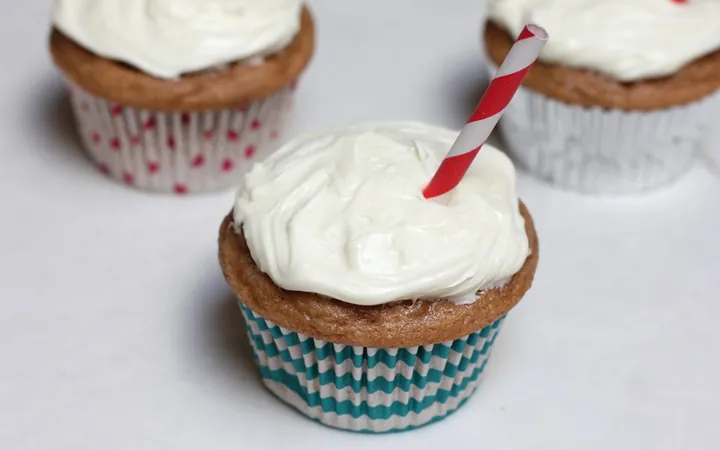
(627, 40)
(342, 214)
(168, 38)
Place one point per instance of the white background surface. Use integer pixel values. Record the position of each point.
(117, 330)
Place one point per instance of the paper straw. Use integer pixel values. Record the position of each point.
(501, 90)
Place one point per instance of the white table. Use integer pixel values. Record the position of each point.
(118, 332)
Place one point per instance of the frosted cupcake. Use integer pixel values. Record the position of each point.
(622, 95)
(370, 308)
(180, 95)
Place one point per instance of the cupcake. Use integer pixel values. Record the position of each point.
(622, 95)
(180, 95)
(368, 307)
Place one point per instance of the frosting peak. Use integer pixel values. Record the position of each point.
(626, 39)
(342, 214)
(167, 38)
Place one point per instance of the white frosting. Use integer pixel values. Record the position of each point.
(167, 38)
(342, 214)
(625, 39)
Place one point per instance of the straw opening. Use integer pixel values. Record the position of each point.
(538, 31)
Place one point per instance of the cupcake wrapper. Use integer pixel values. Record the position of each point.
(602, 151)
(368, 389)
(178, 152)
(711, 146)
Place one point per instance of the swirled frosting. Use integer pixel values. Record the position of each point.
(626, 39)
(342, 214)
(167, 38)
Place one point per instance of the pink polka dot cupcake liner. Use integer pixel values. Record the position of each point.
(176, 152)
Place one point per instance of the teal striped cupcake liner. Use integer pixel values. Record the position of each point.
(363, 389)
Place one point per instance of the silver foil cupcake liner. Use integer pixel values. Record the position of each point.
(602, 151)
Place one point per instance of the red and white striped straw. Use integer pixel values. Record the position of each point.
(501, 90)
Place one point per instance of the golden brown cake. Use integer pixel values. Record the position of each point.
(584, 87)
(401, 324)
(230, 87)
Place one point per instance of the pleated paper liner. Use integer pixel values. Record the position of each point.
(180, 153)
(368, 389)
(711, 146)
(601, 151)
